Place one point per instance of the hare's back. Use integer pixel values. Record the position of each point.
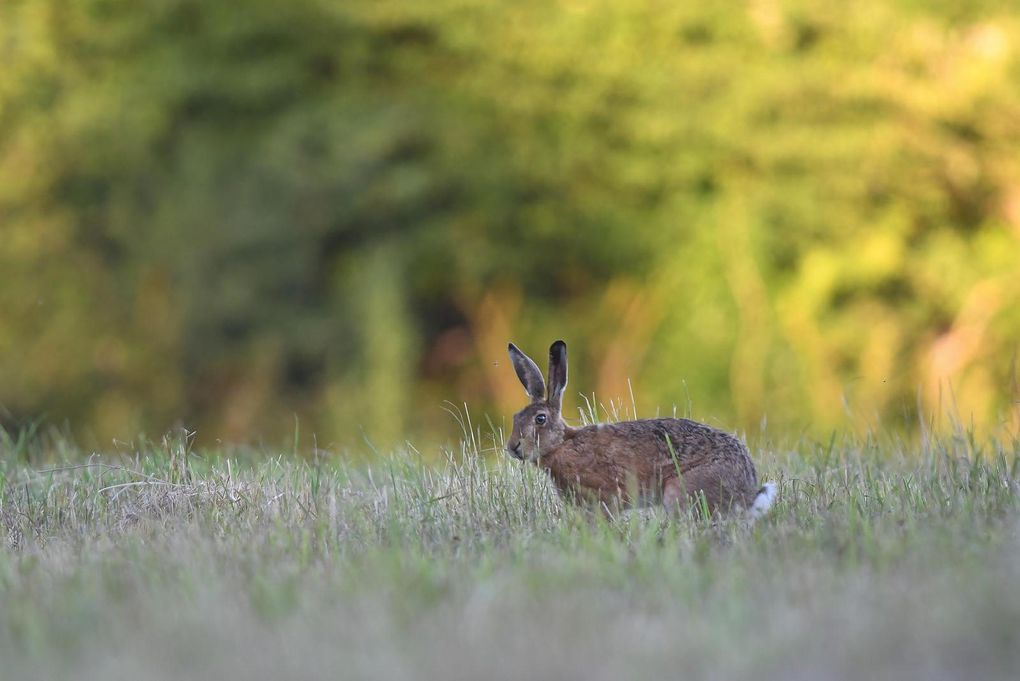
(691, 442)
(695, 439)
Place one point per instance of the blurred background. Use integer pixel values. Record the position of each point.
(234, 214)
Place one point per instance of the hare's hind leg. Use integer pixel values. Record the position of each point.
(674, 496)
(716, 486)
(678, 495)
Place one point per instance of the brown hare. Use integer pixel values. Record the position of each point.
(631, 463)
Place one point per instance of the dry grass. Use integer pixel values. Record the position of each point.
(880, 560)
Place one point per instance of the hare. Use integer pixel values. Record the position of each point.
(631, 463)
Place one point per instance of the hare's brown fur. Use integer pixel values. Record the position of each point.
(631, 463)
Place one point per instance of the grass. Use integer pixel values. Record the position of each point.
(881, 559)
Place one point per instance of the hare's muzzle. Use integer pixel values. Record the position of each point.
(514, 450)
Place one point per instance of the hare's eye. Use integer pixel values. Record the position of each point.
(540, 419)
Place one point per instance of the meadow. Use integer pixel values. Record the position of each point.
(246, 215)
(883, 558)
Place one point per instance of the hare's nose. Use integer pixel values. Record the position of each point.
(514, 450)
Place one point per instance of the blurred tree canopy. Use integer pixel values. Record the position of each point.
(228, 213)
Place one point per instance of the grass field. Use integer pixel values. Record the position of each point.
(880, 560)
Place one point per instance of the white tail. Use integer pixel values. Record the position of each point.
(763, 502)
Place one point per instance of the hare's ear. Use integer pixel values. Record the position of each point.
(557, 373)
(528, 372)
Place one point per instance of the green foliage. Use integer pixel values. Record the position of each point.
(223, 212)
